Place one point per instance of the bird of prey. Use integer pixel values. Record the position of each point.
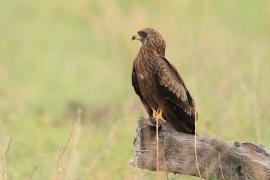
(160, 87)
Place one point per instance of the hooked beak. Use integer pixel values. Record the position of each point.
(136, 37)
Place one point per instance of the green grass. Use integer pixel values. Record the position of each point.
(56, 56)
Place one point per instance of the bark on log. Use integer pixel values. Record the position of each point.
(217, 159)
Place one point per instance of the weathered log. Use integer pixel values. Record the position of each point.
(217, 159)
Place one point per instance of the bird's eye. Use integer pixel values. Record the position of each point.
(142, 34)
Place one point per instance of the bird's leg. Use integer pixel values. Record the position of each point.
(157, 116)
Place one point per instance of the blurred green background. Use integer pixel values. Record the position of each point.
(58, 56)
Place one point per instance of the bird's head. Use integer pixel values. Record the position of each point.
(151, 39)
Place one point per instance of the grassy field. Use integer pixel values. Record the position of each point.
(58, 56)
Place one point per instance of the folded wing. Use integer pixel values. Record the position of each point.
(172, 88)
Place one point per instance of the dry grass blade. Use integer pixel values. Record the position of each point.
(220, 167)
(70, 173)
(157, 154)
(66, 145)
(8, 147)
(4, 161)
(35, 168)
(60, 154)
(164, 159)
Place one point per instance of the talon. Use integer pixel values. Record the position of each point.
(157, 116)
(154, 115)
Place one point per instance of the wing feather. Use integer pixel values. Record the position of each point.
(173, 89)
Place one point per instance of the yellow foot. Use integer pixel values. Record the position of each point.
(157, 116)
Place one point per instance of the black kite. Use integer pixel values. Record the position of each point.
(159, 86)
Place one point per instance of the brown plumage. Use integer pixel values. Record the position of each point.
(159, 85)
